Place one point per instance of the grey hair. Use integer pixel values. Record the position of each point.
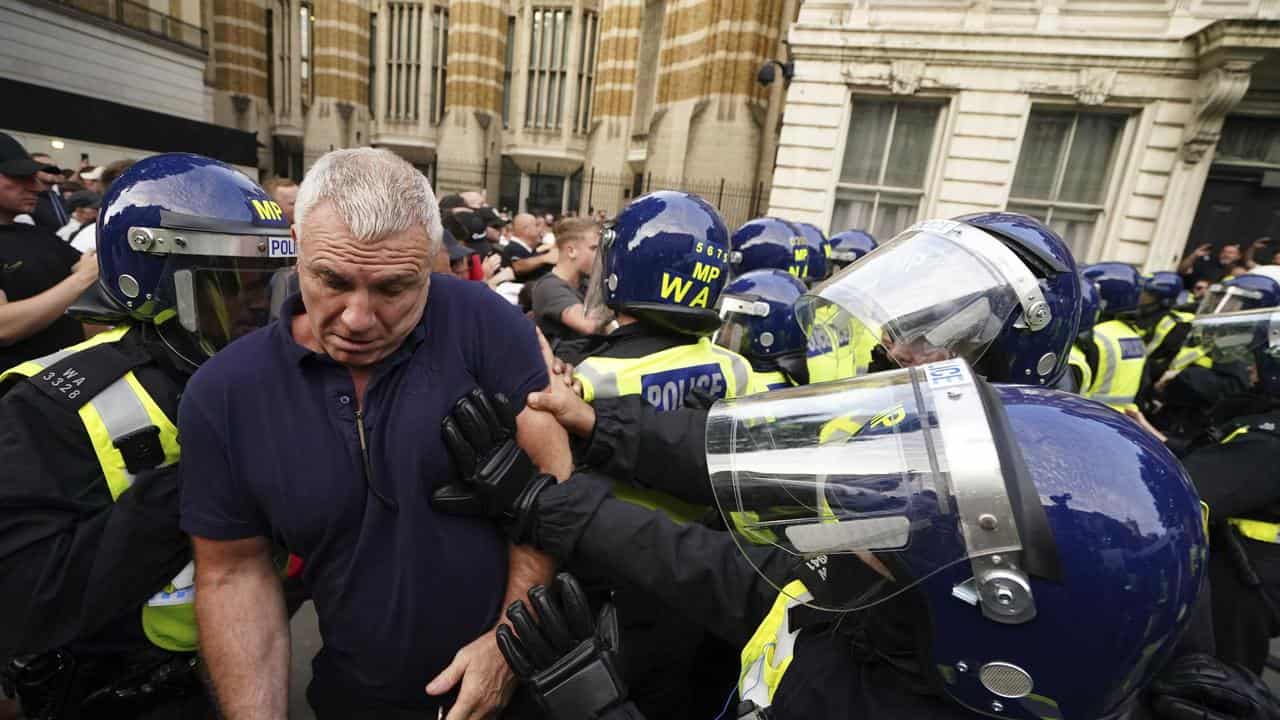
(375, 192)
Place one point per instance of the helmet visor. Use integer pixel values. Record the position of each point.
(596, 302)
(739, 317)
(937, 291)
(1236, 337)
(222, 299)
(881, 465)
(1220, 299)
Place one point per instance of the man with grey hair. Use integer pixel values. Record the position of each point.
(321, 434)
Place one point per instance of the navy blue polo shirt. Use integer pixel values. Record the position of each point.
(269, 448)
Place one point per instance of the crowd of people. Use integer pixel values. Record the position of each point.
(636, 466)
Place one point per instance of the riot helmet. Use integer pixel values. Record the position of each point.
(663, 260)
(1258, 288)
(973, 498)
(759, 323)
(997, 289)
(769, 243)
(1090, 306)
(817, 259)
(1119, 287)
(194, 247)
(848, 246)
(1249, 339)
(1162, 288)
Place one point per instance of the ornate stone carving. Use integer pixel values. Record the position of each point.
(1221, 88)
(905, 76)
(1094, 86)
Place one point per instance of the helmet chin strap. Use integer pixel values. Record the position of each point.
(175, 345)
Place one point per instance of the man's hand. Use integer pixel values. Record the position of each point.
(498, 480)
(1142, 422)
(563, 396)
(487, 681)
(85, 271)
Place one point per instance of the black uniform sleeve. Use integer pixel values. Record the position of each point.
(663, 451)
(690, 568)
(1238, 478)
(71, 560)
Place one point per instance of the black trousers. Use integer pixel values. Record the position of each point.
(330, 703)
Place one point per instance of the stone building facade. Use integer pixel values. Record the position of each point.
(1134, 128)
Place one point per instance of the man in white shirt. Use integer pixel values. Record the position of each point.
(83, 205)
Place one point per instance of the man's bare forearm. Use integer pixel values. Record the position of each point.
(548, 446)
(244, 633)
(21, 319)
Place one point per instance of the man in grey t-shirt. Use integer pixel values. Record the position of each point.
(557, 299)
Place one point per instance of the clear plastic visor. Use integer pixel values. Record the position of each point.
(222, 299)
(737, 316)
(858, 468)
(1220, 299)
(923, 297)
(1235, 337)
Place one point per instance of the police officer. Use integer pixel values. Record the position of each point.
(1233, 464)
(1121, 350)
(848, 246)
(661, 266)
(769, 242)
(1165, 329)
(888, 591)
(1014, 318)
(759, 323)
(95, 576)
(1195, 382)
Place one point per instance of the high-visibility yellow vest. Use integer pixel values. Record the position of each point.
(839, 348)
(1165, 325)
(1076, 359)
(766, 381)
(120, 410)
(769, 652)
(1121, 358)
(663, 379)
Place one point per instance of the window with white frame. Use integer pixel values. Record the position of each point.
(282, 60)
(306, 46)
(886, 163)
(586, 70)
(403, 64)
(439, 56)
(1064, 170)
(507, 65)
(548, 61)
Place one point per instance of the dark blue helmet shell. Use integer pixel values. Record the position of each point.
(666, 260)
(1265, 287)
(1131, 555)
(769, 243)
(1090, 305)
(1164, 285)
(1018, 354)
(850, 245)
(1119, 286)
(778, 333)
(817, 266)
(175, 191)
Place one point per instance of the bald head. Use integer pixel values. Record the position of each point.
(525, 227)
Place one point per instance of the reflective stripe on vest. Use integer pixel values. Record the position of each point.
(1077, 360)
(1165, 325)
(766, 381)
(1260, 530)
(663, 378)
(1121, 359)
(769, 652)
(124, 407)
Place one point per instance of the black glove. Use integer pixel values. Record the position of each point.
(1201, 687)
(567, 660)
(497, 479)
